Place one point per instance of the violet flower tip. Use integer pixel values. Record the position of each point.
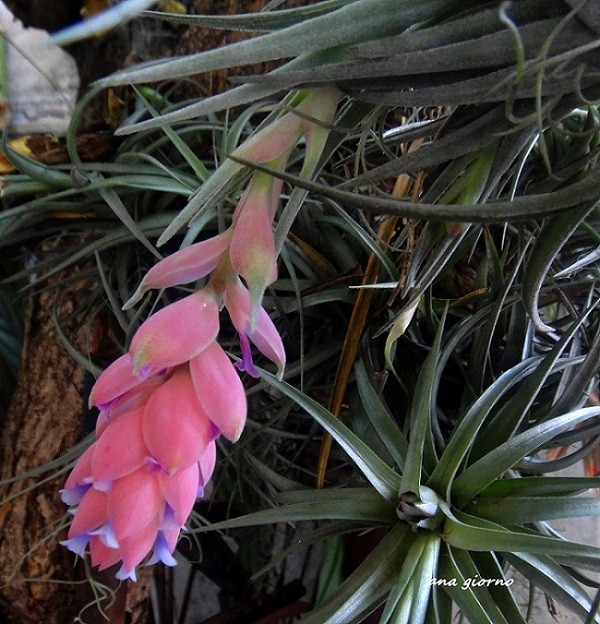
(123, 574)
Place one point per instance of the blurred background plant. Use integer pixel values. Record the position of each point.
(437, 296)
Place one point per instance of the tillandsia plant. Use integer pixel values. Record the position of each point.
(449, 150)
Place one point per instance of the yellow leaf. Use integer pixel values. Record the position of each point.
(172, 6)
(22, 146)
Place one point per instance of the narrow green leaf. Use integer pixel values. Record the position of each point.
(330, 574)
(368, 584)
(490, 467)
(527, 509)
(510, 416)
(494, 211)
(314, 505)
(472, 574)
(452, 580)
(193, 161)
(348, 24)
(257, 21)
(539, 486)
(35, 170)
(477, 537)
(552, 237)
(553, 580)
(401, 583)
(489, 566)
(379, 474)
(463, 436)
(420, 419)
(117, 206)
(383, 422)
(274, 478)
(409, 597)
(486, 51)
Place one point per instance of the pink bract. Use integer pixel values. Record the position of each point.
(219, 390)
(175, 334)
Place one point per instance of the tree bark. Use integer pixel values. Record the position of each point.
(43, 421)
(39, 582)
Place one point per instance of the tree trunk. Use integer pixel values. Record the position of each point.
(43, 421)
(39, 582)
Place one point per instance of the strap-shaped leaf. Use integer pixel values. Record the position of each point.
(470, 533)
(264, 20)
(553, 580)
(376, 471)
(490, 566)
(475, 566)
(578, 385)
(553, 235)
(492, 50)
(355, 505)
(348, 24)
(526, 509)
(539, 486)
(409, 597)
(381, 419)
(48, 176)
(469, 602)
(495, 211)
(490, 467)
(469, 25)
(463, 436)
(368, 585)
(420, 456)
(508, 418)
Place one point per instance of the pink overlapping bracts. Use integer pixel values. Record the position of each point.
(165, 402)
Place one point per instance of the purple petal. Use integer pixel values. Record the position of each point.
(124, 574)
(162, 552)
(72, 496)
(247, 363)
(77, 544)
(106, 535)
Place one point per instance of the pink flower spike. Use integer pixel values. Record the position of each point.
(220, 390)
(114, 381)
(176, 429)
(179, 492)
(252, 250)
(133, 503)
(176, 333)
(264, 335)
(120, 450)
(186, 265)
